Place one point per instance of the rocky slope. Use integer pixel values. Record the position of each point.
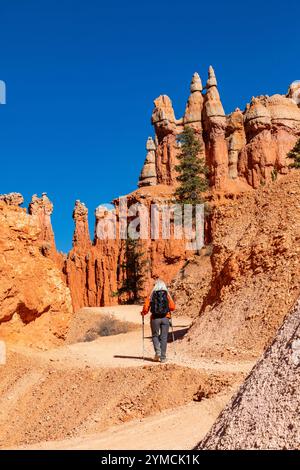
(264, 414)
(35, 302)
(255, 270)
(191, 285)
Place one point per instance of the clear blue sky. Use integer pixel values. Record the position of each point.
(82, 75)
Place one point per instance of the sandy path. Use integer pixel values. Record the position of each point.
(179, 428)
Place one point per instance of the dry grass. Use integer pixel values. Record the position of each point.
(108, 325)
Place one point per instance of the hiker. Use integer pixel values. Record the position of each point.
(161, 304)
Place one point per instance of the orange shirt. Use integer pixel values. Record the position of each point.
(146, 306)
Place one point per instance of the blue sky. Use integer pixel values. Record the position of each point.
(81, 77)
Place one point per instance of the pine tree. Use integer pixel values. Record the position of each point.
(134, 269)
(192, 171)
(295, 155)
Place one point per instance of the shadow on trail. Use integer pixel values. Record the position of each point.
(134, 357)
(178, 334)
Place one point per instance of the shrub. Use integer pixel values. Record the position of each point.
(295, 155)
(274, 174)
(107, 326)
(192, 171)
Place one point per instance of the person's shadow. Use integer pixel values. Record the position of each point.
(117, 356)
(178, 334)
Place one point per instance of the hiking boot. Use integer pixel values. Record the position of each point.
(163, 359)
(156, 358)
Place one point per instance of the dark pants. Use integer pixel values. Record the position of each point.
(160, 330)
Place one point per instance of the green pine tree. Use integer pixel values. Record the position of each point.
(192, 171)
(295, 155)
(134, 267)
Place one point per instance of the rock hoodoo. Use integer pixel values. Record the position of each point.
(41, 209)
(246, 148)
(148, 175)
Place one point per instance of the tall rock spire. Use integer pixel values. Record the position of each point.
(236, 140)
(193, 110)
(212, 81)
(81, 237)
(166, 130)
(196, 84)
(215, 126)
(148, 173)
(41, 209)
(163, 116)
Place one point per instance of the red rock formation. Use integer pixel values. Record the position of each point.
(272, 125)
(12, 199)
(242, 150)
(148, 175)
(81, 237)
(91, 269)
(108, 251)
(76, 264)
(194, 109)
(215, 126)
(294, 92)
(165, 256)
(248, 147)
(41, 210)
(35, 302)
(165, 124)
(236, 141)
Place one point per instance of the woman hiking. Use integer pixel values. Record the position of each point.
(161, 304)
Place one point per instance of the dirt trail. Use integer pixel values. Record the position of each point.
(171, 429)
(102, 395)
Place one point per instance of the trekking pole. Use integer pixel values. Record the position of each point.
(143, 328)
(173, 337)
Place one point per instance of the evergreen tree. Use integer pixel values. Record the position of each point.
(295, 155)
(134, 269)
(192, 171)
